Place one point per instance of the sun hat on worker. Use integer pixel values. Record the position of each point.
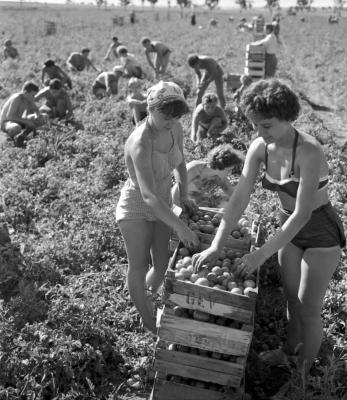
(164, 91)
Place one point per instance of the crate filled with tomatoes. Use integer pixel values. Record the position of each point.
(206, 325)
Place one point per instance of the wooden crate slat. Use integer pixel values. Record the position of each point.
(165, 390)
(243, 243)
(200, 374)
(193, 360)
(203, 335)
(222, 310)
(255, 73)
(169, 310)
(197, 295)
(255, 64)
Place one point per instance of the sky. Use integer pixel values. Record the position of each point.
(222, 3)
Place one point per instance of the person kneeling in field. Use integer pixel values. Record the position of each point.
(209, 120)
(153, 151)
(79, 61)
(136, 100)
(130, 66)
(10, 51)
(311, 234)
(20, 116)
(106, 83)
(161, 55)
(208, 182)
(57, 101)
(54, 72)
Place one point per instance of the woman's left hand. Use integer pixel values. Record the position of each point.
(250, 263)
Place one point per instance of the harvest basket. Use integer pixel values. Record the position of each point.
(203, 359)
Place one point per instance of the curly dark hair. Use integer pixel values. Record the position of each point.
(55, 84)
(192, 59)
(271, 98)
(171, 108)
(30, 87)
(224, 156)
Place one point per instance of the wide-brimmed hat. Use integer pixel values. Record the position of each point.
(164, 91)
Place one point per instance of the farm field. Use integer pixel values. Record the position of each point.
(67, 327)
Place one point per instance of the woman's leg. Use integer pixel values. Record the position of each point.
(138, 237)
(160, 256)
(289, 259)
(317, 268)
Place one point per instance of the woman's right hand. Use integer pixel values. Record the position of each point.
(188, 237)
(208, 256)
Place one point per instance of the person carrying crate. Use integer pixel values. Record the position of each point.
(270, 43)
(311, 235)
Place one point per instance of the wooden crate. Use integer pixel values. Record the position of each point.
(255, 49)
(255, 64)
(233, 81)
(255, 73)
(243, 243)
(167, 390)
(216, 367)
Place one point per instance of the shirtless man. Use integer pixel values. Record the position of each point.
(79, 61)
(9, 50)
(112, 49)
(129, 65)
(137, 100)
(20, 116)
(54, 72)
(161, 55)
(106, 83)
(57, 101)
(209, 120)
(212, 71)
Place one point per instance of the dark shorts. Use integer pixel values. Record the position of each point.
(324, 229)
(270, 65)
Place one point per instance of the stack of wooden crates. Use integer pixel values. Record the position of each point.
(255, 61)
(197, 359)
(258, 28)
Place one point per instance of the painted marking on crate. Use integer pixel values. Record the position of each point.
(204, 335)
(212, 307)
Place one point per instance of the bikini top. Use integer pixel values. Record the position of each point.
(289, 185)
